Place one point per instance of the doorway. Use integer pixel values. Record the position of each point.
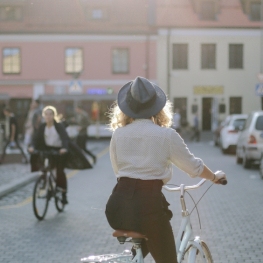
(206, 113)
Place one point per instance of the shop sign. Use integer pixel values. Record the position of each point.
(259, 89)
(208, 90)
(100, 91)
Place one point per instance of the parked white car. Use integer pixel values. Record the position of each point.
(230, 132)
(250, 141)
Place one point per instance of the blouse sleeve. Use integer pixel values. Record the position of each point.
(183, 158)
(113, 156)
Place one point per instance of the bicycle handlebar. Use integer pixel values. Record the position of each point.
(191, 187)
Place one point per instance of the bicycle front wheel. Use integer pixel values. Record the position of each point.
(195, 256)
(41, 197)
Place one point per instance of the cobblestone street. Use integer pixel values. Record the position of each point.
(230, 215)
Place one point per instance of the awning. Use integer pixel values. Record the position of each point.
(77, 97)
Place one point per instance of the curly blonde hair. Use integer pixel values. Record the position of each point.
(54, 111)
(119, 119)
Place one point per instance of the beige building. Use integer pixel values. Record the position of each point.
(209, 63)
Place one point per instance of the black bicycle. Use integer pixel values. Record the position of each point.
(45, 187)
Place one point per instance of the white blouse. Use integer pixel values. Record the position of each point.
(52, 137)
(144, 150)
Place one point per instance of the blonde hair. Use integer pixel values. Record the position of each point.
(54, 110)
(119, 119)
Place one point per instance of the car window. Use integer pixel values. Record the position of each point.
(239, 123)
(259, 123)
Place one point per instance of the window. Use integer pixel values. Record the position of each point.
(120, 60)
(11, 61)
(235, 105)
(73, 60)
(235, 56)
(238, 123)
(255, 11)
(208, 56)
(207, 10)
(259, 123)
(180, 56)
(10, 13)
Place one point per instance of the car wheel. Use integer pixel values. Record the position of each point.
(246, 162)
(224, 151)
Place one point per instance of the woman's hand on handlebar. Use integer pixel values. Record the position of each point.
(220, 178)
(63, 150)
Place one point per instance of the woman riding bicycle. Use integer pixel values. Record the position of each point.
(52, 135)
(142, 150)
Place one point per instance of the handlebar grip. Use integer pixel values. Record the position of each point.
(222, 181)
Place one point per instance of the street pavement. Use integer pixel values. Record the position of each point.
(231, 215)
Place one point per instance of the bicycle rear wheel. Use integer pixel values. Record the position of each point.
(58, 201)
(41, 197)
(194, 255)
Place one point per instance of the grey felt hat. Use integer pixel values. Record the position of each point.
(141, 98)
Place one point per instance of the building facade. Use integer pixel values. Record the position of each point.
(209, 54)
(206, 54)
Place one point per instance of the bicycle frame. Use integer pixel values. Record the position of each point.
(185, 238)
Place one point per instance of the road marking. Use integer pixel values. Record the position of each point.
(69, 175)
(103, 152)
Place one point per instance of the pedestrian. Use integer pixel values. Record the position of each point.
(196, 132)
(82, 120)
(32, 122)
(142, 151)
(37, 117)
(12, 140)
(177, 121)
(52, 135)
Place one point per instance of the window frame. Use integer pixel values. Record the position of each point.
(250, 11)
(65, 60)
(12, 20)
(229, 56)
(20, 61)
(185, 59)
(203, 67)
(112, 60)
(203, 16)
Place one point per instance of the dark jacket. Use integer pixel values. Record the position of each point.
(75, 157)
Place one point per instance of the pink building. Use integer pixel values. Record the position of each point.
(75, 51)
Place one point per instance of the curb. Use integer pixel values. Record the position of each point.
(15, 185)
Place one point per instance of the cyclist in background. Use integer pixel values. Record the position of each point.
(142, 151)
(51, 135)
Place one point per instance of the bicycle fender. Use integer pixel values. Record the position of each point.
(195, 245)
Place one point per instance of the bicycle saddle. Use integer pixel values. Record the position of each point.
(127, 233)
(122, 235)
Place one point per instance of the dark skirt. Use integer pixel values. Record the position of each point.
(134, 202)
(140, 206)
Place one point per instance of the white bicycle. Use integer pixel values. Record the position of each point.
(189, 248)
